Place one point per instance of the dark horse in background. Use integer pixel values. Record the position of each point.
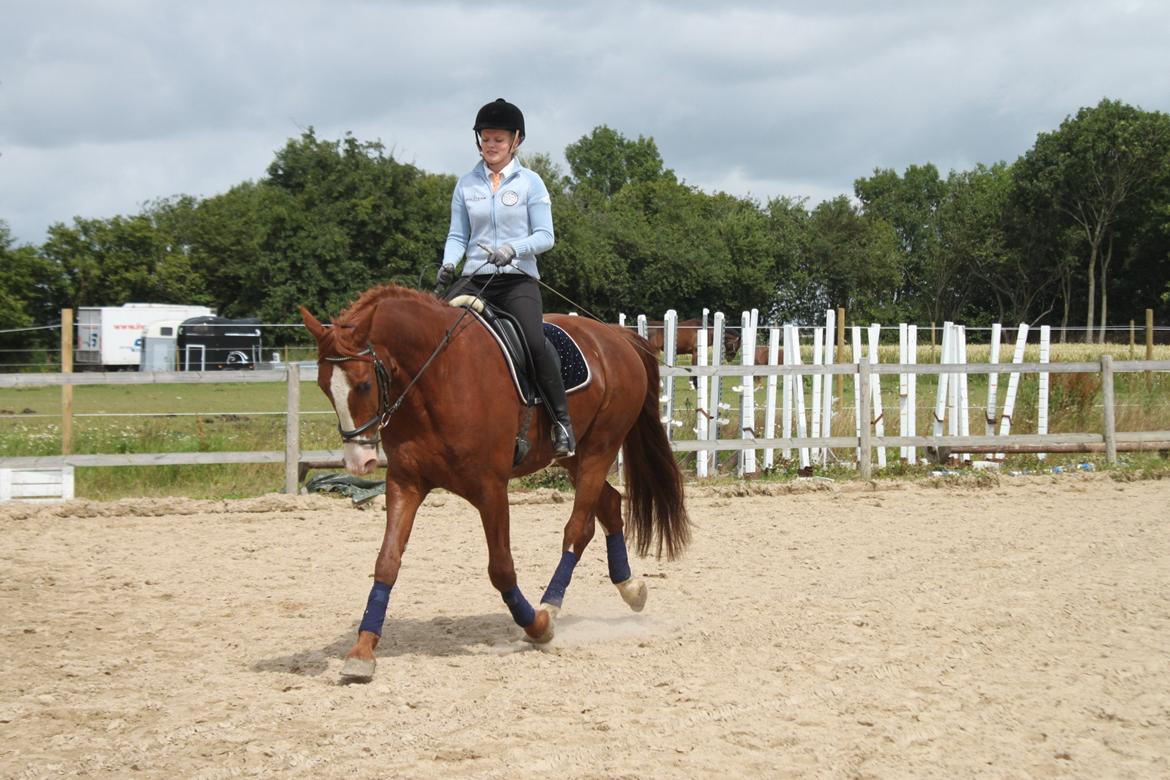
(429, 383)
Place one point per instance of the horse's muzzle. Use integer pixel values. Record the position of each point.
(360, 459)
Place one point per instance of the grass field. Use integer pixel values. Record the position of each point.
(243, 417)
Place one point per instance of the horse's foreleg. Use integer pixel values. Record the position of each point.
(493, 511)
(401, 506)
(609, 514)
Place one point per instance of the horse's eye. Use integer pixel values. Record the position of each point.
(362, 387)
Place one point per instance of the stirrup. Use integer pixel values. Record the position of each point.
(564, 445)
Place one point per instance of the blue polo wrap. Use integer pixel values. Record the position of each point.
(376, 604)
(555, 593)
(522, 611)
(615, 553)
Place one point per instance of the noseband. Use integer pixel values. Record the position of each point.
(382, 416)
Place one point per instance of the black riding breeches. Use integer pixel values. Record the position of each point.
(518, 295)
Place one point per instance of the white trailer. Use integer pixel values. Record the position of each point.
(109, 338)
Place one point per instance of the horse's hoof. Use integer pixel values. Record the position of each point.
(541, 631)
(633, 593)
(357, 669)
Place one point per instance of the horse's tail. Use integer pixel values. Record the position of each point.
(655, 510)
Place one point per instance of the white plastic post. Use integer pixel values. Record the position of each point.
(770, 396)
(857, 358)
(912, 394)
(669, 339)
(953, 387)
(964, 404)
(714, 402)
(1042, 401)
(827, 387)
(1009, 402)
(903, 388)
(817, 405)
(747, 461)
(940, 403)
(879, 425)
(702, 409)
(993, 377)
(643, 328)
(786, 404)
(798, 396)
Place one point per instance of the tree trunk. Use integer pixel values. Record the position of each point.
(1090, 319)
(1066, 301)
(1106, 260)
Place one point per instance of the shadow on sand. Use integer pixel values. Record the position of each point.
(440, 636)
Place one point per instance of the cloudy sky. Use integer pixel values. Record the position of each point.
(105, 106)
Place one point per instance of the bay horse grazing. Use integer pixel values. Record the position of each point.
(430, 383)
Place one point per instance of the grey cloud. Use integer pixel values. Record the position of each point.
(106, 106)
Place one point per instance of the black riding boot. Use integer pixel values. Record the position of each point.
(548, 376)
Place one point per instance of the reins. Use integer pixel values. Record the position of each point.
(386, 410)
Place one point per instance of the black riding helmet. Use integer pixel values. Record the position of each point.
(499, 115)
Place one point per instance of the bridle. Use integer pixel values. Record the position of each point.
(385, 409)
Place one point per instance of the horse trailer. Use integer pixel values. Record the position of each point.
(110, 338)
(217, 343)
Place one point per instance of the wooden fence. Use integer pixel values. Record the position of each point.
(863, 442)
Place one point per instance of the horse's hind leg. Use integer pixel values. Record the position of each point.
(588, 475)
(609, 514)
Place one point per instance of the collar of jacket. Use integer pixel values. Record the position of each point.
(511, 169)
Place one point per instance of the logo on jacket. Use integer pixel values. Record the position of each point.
(510, 198)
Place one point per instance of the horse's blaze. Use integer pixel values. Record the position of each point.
(359, 459)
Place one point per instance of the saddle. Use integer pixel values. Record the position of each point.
(575, 371)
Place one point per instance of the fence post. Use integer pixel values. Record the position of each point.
(1149, 334)
(292, 432)
(66, 389)
(866, 420)
(840, 356)
(1107, 402)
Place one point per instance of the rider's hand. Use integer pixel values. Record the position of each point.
(502, 256)
(446, 274)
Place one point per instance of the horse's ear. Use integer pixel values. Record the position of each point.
(313, 325)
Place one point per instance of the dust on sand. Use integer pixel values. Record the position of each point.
(1008, 630)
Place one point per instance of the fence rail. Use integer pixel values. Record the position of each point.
(864, 442)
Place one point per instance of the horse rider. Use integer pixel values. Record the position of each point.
(501, 221)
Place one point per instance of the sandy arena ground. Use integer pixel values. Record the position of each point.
(1020, 629)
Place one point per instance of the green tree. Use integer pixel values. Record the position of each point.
(114, 261)
(606, 161)
(853, 261)
(31, 292)
(977, 277)
(1091, 171)
(931, 283)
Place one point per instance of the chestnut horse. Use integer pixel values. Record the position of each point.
(429, 383)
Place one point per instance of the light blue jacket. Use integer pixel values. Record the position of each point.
(518, 213)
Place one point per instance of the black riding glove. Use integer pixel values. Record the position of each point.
(446, 275)
(502, 256)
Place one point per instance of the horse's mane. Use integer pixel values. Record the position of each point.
(355, 319)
